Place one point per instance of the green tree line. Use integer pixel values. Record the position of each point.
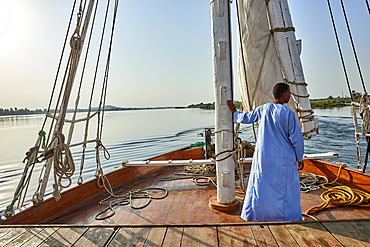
(328, 102)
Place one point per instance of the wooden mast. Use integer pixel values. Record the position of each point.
(288, 50)
(222, 72)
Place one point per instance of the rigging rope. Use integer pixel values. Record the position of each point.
(340, 49)
(353, 46)
(59, 65)
(341, 196)
(63, 168)
(32, 158)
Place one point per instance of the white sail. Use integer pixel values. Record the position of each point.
(269, 53)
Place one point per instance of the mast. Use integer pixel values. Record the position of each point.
(288, 51)
(222, 77)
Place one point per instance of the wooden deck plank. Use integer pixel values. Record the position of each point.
(161, 213)
(23, 237)
(366, 224)
(173, 237)
(358, 230)
(263, 235)
(282, 235)
(155, 236)
(313, 234)
(236, 236)
(174, 207)
(64, 236)
(11, 234)
(130, 237)
(41, 236)
(95, 236)
(345, 237)
(203, 236)
(4, 231)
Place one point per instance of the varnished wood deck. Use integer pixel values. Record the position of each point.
(323, 233)
(186, 203)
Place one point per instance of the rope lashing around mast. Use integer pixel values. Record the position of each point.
(341, 196)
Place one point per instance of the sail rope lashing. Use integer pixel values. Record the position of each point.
(59, 64)
(365, 114)
(31, 158)
(61, 147)
(341, 196)
(128, 199)
(64, 168)
(365, 126)
(239, 158)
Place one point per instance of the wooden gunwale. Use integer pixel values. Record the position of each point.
(246, 223)
(349, 176)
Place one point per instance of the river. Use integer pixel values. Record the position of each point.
(141, 134)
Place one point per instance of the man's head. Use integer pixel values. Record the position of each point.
(281, 92)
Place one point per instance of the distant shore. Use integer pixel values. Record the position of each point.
(25, 111)
(329, 102)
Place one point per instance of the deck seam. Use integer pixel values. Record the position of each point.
(48, 236)
(164, 236)
(332, 234)
(80, 236)
(112, 236)
(272, 235)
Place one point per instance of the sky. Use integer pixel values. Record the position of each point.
(162, 53)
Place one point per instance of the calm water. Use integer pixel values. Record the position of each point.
(136, 135)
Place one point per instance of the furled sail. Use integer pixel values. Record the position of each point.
(269, 53)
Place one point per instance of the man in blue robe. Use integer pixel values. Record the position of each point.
(273, 192)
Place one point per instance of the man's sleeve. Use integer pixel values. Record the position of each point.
(246, 117)
(295, 137)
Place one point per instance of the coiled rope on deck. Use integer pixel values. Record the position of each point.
(127, 199)
(341, 196)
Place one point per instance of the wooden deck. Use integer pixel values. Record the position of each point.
(322, 233)
(186, 203)
(184, 218)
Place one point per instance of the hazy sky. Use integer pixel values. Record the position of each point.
(162, 50)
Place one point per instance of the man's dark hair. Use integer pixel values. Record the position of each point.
(279, 89)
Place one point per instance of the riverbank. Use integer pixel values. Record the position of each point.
(325, 103)
(25, 111)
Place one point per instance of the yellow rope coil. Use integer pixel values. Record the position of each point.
(341, 196)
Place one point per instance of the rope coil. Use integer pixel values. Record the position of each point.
(341, 196)
(128, 199)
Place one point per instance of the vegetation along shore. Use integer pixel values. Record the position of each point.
(328, 102)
